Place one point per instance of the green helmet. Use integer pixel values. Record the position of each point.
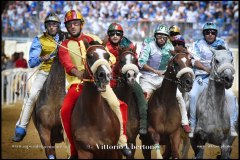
(210, 25)
(162, 28)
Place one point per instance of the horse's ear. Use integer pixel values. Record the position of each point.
(86, 43)
(212, 50)
(105, 40)
(135, 48)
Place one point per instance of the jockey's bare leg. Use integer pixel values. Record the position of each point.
(114, 103)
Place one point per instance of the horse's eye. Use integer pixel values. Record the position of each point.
(216, 61)
(89, 56)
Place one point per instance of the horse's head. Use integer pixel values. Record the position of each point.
(180, 69)
(222, 69)
(128, 64)
(98, 68)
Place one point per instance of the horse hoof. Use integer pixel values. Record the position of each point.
(126, 151)
(51, 157)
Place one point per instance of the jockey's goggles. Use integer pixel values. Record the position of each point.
(161, 36)
(207, 32)
(54, 24)
(174, 33)
(73, 22)
(112, 33)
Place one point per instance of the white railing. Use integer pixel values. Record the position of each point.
(15, 80)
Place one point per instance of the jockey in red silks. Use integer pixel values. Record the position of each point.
(74, 68)
(115, 41)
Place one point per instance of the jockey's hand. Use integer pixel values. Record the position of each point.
(158, 72)
(207, 69)
(45, 58)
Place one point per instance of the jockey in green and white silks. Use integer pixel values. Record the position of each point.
(153, 61)
(43, 48)
(203, 55)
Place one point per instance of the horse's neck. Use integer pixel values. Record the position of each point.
(216, 94)
(56, 75)
(168, 88)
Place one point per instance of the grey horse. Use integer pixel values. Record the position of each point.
(213, 119)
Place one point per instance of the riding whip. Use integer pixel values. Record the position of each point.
(17, 92)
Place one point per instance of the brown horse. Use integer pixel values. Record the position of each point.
(95, 127)
(124, 91)
(164, 118)
(46, 115)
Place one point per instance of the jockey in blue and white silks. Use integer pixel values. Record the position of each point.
(42, 49)
(153, 61)
(201, 62)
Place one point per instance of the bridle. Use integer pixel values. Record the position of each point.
(179, 73)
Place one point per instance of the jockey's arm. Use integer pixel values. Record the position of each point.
(74, 71)
(150, 69)
(199, 65)
(34, 53)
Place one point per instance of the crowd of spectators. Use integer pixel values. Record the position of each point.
(16, 61)
(20, 18)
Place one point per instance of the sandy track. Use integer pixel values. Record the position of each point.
(30, 147)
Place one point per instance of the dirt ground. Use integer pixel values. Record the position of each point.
(30, 147)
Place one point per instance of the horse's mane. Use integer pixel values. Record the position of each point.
(220, 47)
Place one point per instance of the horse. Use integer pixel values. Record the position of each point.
(95, 127)
(213, 120)
(124, 91)
(46, 116)
(164, 118)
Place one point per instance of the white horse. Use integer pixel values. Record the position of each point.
(213, 119)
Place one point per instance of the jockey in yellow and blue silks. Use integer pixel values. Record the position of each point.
(153, 61)
(41, 51)
(201, 62)
(115, 41)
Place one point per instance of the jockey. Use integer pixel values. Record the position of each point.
(42, 49)
(201, 62)
(116, 40)
(153, 62)
(74, 68)
(173, 31)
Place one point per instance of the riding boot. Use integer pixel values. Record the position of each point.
(183, 112)
(142, 107)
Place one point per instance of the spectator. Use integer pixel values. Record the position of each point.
(21, 62)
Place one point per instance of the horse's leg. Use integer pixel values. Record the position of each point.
(132, 146)
(226, 148)
(156, 139)
(45, 137)
(146, 143)
(167, 152)
(185, 145)
(175, 143)
(82, 154)
(198, 146)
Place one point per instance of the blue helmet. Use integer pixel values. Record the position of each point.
(210, 25)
